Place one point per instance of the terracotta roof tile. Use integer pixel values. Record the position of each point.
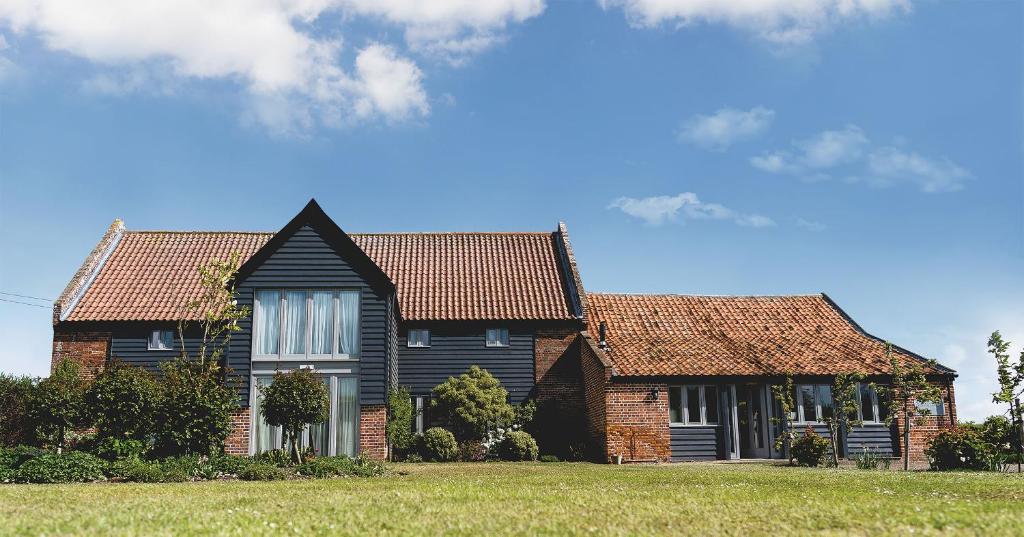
(151, 275)
(662, 335)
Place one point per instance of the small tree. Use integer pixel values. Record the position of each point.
(473, 404)
(844, 409)
(400, 417)
(909, 385)
(57, 405)
(293, 401)
(783, 393)
(123, 402)
(15, 426)
(216, 310)
(1011, 387)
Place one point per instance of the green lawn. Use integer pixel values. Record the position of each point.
(552, 499)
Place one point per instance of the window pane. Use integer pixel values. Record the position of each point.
(348, 315)
(268, 306)
(265, 437)
(692, 404)
(805, 400)
(867, 408)
(931, 407)
(711, 403)
(348, 417)
(675, 404)
(318, 437)
(419, 338)
(323, 322)
(497, 337)
(825, 400)
(295, 322)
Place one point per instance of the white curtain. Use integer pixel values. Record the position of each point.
(295, 322)
(348, 333)
(348, 417)
(323, 322)
(268, 310)
(265, 437)
(318, 432)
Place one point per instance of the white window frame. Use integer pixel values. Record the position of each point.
(419, 406)
(408, 339)
(685, 414)
(931, 406)
(874, 405)
(282, 318)
(332, 418)
(800, 418)
(149, 341)
(498, 342)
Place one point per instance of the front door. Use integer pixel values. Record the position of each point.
(751, 410)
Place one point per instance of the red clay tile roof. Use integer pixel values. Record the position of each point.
(662, 335)
(150, 275)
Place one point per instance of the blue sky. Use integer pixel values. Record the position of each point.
(874, 153)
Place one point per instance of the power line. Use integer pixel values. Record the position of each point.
(23, 303)
(25, 296)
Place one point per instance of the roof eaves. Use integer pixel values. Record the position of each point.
(574, 284)
(86, 274)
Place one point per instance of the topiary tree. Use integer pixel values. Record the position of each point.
(399, 426)
(15, 426)
(123, 401)
(439, 445)
(909, 385)
(294, 400)
(57, 405)
(518, 446)
(845, 396)
(195, 409)
(472, 404)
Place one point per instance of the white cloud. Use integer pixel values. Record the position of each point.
(388, 85)
(453, 30)
(849, 150)
(656, 210)
(811, 225)
(725, 127)
(785, 22)
(890, 165)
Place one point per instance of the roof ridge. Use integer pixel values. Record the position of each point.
(361, 234)
(683, 295)
(194, 232)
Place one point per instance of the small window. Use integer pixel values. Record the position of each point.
(693, 405)
(497, 337)
(931, 408)
(418, 338)
(161, 340)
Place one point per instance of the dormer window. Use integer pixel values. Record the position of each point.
(497, 337)
(418, 338)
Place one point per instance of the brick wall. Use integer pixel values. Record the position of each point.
(921, 434)
(637, 421)
(372, 437)
(88, 349)
(596, 373)
(557, 366)
(237, 442)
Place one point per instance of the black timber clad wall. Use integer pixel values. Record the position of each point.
(455, 346)
(695, 443)
(392, 340)
(874, 437)
(306, 261)
(129, 342)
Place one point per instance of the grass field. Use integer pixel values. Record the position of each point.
(551, 499)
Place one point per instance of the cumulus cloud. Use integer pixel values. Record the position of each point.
(290, 70)
(452, 30)
(726, 126)
(657, 210)
(785, 22)
(851, 152)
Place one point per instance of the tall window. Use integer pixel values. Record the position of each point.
(336, 436)
(497, 337)
(869, 407)
(693, 405)
(304, 324)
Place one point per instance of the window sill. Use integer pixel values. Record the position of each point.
(310, 358)
(684, 425)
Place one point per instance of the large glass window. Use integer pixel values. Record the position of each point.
(299, 324)
(336, 436)
(814, 403)
(805, 403)
(693, 405)
(825, 411)
(868, 404)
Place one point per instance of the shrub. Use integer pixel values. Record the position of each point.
(15, 426)
(363, 466)
(400, 419)
(473, 403)
(870, 459)
(123, 401)
(13, 457)
(810, 449)
(548, 458)
(182, 468)
(57, 405)
(439, 445)
(229, 464)
(959, 449)
(261, 471)
(114, 448)
(195, 408)
(292, 401)
(321, 467)
(277, 457)
(518, 446)
(137, 471)
(414, 457)
(472, 451)
(74, 467)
